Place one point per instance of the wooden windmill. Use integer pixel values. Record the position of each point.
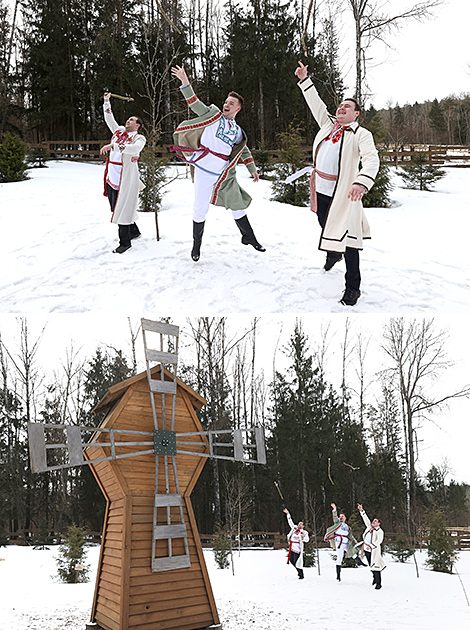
(146, 456)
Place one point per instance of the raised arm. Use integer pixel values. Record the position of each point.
(316, 105)
(187, 91)
(289, 518)
(108, 113)
(365, 518)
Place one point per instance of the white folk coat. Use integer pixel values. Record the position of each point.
(125, 211)
(376, 563)
(346, 224)
(303, 538)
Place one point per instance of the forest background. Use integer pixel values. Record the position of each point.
(351, 434)
(58, 56)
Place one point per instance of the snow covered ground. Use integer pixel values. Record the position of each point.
(264, 594)
(56, 252)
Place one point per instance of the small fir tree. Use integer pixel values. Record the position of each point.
(12, 159)
(38, 156)
(263, 162)
(222, 547)
(401, 549)
(379, 194)
(419, 174)
(298, 192)
(71, 560)
(310, 554)
(441, 550)
(42, 537)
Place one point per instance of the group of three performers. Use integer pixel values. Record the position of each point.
(341, 538)
(345, 164)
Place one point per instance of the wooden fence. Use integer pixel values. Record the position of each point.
(258, 540)
(450, 155)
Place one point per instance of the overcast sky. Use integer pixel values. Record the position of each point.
(447, 439)
(426, 60)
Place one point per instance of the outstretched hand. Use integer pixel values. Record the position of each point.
(359, 507)
(256, 176)
(286, 511)
(302, 72)
(333, 505)
(180, 73)
(106, 149)
(357, 192)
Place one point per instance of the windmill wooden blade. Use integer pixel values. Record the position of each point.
(45, 445)
(247, 445)
(168, 506)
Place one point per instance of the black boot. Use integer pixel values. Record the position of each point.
(124, 239)
(135, 232)
(198, 231)
(331, 260)
(338, 573)
(248, 236)
(378, 580)
(301, 574)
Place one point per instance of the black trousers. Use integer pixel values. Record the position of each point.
(126, 232)
(377, 574)
(293, 557)
(351, 256)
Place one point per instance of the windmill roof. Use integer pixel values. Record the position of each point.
(116, 391)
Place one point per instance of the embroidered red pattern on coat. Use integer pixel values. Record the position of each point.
(224, 176)
(201, 124)
(191, 99)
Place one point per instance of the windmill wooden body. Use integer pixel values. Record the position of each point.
(151, 573)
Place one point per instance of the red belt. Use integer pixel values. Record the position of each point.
(313, 191)
(202, 150)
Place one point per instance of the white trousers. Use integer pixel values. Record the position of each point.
(341, 549)
(203, 186)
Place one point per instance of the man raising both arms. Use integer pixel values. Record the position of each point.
(214, 143)
(338, 184)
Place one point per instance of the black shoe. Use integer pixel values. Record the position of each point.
(331, 261)
(121, 249)
(378, 586)
(359, 562)
(248, 236)
(338, 573)
(198, 231)
(350, 297)
(136, 236)
(301, 574)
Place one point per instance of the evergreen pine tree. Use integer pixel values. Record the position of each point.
(437, 120)
(441, 550)
(419, 174)
(379, 195)
(310, 554)
(222, 547)
(401, 549)
(12, 159)
(71, 566)
(298, 192)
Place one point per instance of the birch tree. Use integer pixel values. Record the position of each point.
(374, 22)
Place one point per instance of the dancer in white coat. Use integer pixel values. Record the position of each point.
(121, 178)
(372, 538)
(296, 537)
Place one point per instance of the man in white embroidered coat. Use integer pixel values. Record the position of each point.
(121, 180)
(338, 184)
(372, 538)
(214, 143)
(296, 537)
